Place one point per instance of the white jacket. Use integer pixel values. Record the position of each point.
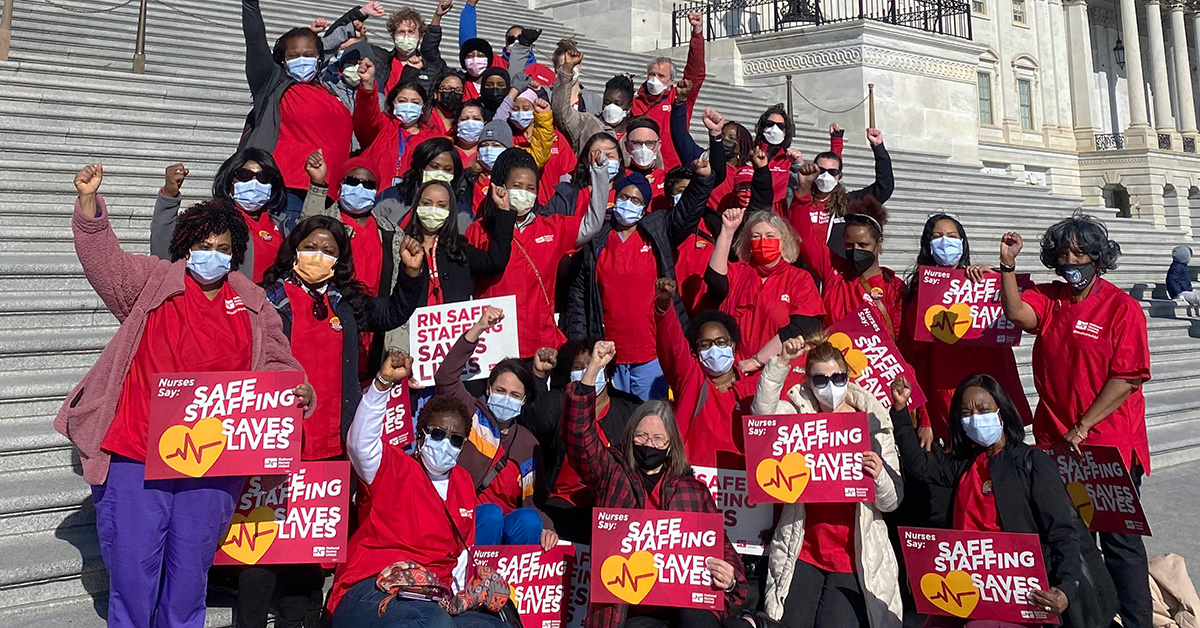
(876, 567)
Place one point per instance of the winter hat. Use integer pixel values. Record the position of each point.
(637, 180)
(497, 131)
(472, 45)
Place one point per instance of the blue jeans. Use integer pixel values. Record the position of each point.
(645, 380)
(522, 526)
(360, 609)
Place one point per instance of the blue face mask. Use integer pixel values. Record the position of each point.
(408, 112)
(627, 212)
(577, 376)
(984, 429)
(675, 199)
(439, 456)
(209, 266)
(522, 118)
(504, 407)
(717, 360)
(489, 154)
(469, 130)
(302, 69)
(946, 250)
(356, 200)
(613, 169)
(251, 195)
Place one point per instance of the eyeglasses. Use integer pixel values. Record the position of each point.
(821, 381)
(439, 434)
(651, 144)
(450, 91)
(368, 184)
(836, 172)
(707, 343)
(243, 175)
(626, 197)
(658, 441)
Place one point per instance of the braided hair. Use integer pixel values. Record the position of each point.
(210, 218)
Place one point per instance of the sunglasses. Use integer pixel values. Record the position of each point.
(438, 434)
(821, 381)
(836, 172)
(243, 175)
(368, 184)
(782, 126)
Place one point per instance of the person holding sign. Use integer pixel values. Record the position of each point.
(539, 243)
(832, 564)
(846, 284)
(647, 469)
(193, 313)
(503, 456)
(767, 295)
(1090, 359)
(422, 506)
(1000, 484)
(939, 366)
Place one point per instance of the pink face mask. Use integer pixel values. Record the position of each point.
(476, 65)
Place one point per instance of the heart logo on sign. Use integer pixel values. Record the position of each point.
(630, 579)
(193, 450)
(1082, 501)
(250, 536)
(856, 360)
(949, 324)
(783, 479)
(955, 593)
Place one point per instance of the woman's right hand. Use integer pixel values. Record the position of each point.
(925, 437)
(792, 348)
(366, 74)
(396, 366)
(1010, 247)
(664, 293)
(490, 317)
(901, 392)
(602, 353)
(731, 218)
(412, 256)
(175, 175)
(88, 179)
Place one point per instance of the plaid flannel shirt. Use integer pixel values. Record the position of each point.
(617, 486)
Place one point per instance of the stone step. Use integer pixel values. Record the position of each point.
(87, 611)
(32, 443)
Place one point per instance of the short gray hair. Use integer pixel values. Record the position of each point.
(657, 60)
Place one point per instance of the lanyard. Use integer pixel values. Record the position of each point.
(401, 144)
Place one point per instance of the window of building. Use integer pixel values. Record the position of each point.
(1018, 11)
(1025, 103)
(985, 98)
(979, 7)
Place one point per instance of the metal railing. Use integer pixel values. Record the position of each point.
(6, 17)
(1110, 141)
(1164, 141)
(735, 18)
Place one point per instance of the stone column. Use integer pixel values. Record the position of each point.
(1139, 126)
(1079, 56)
(1163, 122)
(1183, 72)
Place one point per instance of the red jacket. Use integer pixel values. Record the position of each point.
(658, 108)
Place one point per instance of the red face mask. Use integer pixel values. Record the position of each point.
(742, 197)
(765, 250)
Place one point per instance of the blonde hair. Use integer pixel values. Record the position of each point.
(821, 350)
(788, 243)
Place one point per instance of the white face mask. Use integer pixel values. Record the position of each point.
(405, 43)
(613, 113)
(655, 86)
(643, 156)
(350, 76)
(826, 182)
(521, 200)
(436, 175)
(830, 395)
(432, 217)
(773, 135)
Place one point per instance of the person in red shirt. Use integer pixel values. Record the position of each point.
(1090, 360)
(191, 313)
(1000, 484)
(447, 103)
(494, 138)
(643, 143)
(539, 242)
(433, 159)
(768, 296)
(773, 135)
(657, 95)
(832, 564)
(389, 138)
(575, 196)
(938, 366)
(468, 127)
(423, 509)
(475, 56)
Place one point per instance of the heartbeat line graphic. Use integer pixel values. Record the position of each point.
(780, 479)
(947, 321)
(948, 595)
(625, 576)
(189, 446)
(248, 540)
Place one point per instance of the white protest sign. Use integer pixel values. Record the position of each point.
(744, 520)
(434, 329)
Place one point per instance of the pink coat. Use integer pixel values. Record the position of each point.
(131, 286)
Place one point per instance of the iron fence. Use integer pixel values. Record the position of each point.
(1110, 141)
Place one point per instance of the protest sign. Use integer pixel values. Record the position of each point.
(581, 580)
(872, 356)
(656, 558)
(540, 581)
(291, 519)
(222, 424)
(797, 458)
(976, 575)
(398, 427)
(952, 309)
(433, 330)
(745, 520)
(1100, 488)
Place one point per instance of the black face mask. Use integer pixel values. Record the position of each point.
(730, 147)
(449, 101)
(492, 96)
(861, 259)
(1080, 276)
(649, 458)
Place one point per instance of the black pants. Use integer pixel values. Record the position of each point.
(671, 618)
(297, 587)
(822, 599)
(1125, 557)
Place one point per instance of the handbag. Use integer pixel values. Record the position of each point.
(485, 590)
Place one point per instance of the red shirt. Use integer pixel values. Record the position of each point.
(483, 184)
(725, 190)
(317, 346)
(367, 245)
(829, 536)
(396, 73)
(1079, 347)
(809, 218)
(691, 261)
(189, 332)
(264, 234)
(780, 167)
(585, 197)
(531, 275)
(568, 486)
(562, 162)
(383, 140)
(710, 420)
(408, 520)
(763, 300)
(975, 500)
(626, 272)
(311, 118)
(842, 291)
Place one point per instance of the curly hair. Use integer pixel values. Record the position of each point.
(406, 14)
(444, 405)
(1086, 233)
(622, 84)
(567, 353)
(868, 212)
(789, 130)
(210, 218)
(223, 182)
(353, 290)
(925, 254)
(705, 317)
